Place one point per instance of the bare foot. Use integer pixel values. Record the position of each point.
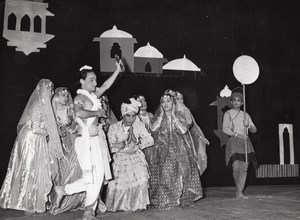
(59, 190)
(88, 215)
(241, 196)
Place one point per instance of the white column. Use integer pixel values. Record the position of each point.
(289, 128)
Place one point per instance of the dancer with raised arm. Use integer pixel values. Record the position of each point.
(87, 144)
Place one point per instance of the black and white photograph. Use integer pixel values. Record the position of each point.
(142, 110)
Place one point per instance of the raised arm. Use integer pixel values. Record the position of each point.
(107, 84)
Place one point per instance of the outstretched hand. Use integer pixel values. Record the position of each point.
(120, 65)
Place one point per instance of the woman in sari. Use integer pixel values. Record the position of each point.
(195, 136)
(28, 178)
(68, 169)
(174, 176)
(129, 189)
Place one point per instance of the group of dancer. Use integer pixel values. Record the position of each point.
(66, 151)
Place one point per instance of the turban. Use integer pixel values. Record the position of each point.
(132, 107)
(236, 94)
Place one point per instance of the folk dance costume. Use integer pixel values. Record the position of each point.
(28, 178)
(68, 167)
(128, 191)
(174, 175)
(92, 158)
(194, 137)
(233, 125)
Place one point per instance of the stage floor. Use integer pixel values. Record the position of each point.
(266, 202)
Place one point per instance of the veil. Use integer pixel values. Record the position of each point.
(69, 124)
(41, 97)
(194, 135)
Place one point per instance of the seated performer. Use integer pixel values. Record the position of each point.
(234, 124)
(88, 147)
(28, 178)
(68, 167)
(174, 176)
(129, 189)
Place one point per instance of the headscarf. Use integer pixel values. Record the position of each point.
(179, 105)
(132, 107)
(41, 97)
(193, 136)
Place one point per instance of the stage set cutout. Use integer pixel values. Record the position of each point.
(146, 59)
(25, 25)
(25, 28)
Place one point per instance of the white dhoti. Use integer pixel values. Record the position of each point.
(92, 159)
(92, 179)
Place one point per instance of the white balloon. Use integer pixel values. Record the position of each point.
(245, 69)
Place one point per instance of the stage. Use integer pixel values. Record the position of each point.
(265, 202)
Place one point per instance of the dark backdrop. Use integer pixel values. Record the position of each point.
(212, 34)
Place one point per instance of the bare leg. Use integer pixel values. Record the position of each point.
(240, 175)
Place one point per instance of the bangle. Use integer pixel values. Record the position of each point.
(236, 134)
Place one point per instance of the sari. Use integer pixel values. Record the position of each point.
(68, 168)
(174, 175)
(28, 179)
